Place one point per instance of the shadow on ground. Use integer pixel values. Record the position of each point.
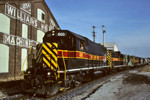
(136, 79)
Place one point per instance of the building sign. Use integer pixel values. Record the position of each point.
(26, 7)
(23, 16)
(52, 24)
(16, 40)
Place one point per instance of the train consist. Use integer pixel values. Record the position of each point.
(66, 59)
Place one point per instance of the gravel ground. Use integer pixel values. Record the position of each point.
(2, 95)
(127, 85)
(70, 94)
(132, 85)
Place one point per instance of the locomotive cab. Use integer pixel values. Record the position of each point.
(64, 40)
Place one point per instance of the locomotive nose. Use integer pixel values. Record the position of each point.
(47, 55)
(49, 51)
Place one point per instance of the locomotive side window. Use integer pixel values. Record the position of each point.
(86, 42)
(81, 46)
(71, 43)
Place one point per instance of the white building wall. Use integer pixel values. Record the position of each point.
(111, 46)
(115, 47)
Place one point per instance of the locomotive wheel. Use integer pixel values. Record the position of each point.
(109, 71)
(105, 72)
(87, 77)
(46, 90)
(52, 90)
(72, 84)
(115, 70)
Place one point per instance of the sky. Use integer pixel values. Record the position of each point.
(127, 22)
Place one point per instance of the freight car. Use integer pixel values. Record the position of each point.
(66, 59)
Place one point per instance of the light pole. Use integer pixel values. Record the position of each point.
(93, 33)
(103, 33)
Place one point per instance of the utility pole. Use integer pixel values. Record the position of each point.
(103, 33)
(93, 33)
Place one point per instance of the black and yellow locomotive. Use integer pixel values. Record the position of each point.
(66, 59)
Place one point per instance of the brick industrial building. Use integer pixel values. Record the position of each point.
(23, 23)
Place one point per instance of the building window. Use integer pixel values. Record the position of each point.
(4, 24)
(23, 59)
(4, 58)
(41, 15)
(40, 35)
(24, 31)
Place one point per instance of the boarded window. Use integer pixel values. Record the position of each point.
(24, 31)
(4, 24)
(40, 36)
(23, 59)
(41, 15)
(4, 58)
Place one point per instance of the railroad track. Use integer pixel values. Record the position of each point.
(69, 93)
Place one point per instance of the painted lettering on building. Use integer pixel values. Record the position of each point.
(16, 40)
(25, 17)
(26, 7)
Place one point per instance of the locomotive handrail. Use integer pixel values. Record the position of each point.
(58, 70)
(64, 66)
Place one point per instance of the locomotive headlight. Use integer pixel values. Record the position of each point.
(53, 34)
(49, 73)
(29, 72)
